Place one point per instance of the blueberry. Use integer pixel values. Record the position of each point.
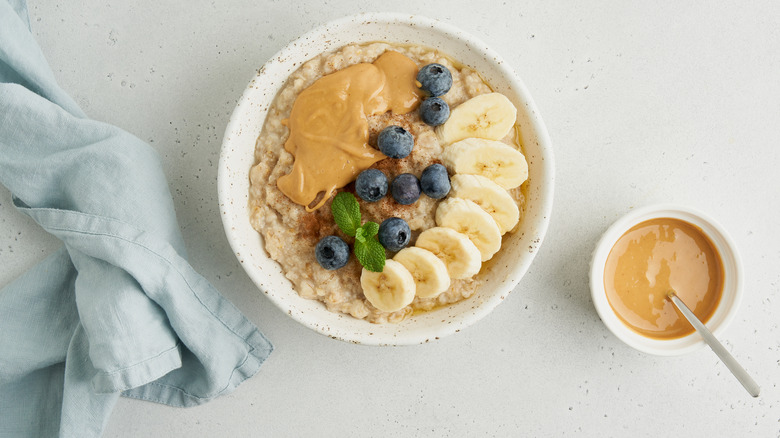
(435, 182)
(394, 234)
(371, 185)
(435, 79)
(434, 111)
(395, 142)
(332, 252)
(405, 188)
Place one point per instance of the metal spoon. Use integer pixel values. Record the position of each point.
(731, 363)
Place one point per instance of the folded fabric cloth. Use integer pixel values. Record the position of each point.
(117, 310)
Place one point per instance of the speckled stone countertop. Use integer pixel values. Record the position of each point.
(645, 102)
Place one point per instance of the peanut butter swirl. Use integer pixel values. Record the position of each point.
(329, 125)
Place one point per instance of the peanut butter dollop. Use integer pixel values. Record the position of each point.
(329, 125)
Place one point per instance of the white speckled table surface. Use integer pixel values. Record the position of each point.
(645, 102)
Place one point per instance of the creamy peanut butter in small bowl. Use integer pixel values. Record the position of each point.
(258, 182)
(652, 250)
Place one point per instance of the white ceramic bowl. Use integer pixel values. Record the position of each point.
(500, 275)
(732, 281)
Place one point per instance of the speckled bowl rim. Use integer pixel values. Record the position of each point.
(236, 157)
(732, 288)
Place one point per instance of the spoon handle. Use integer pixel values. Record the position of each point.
(750, 385)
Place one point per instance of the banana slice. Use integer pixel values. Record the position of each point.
(466, 217)
(458, 253)
(497, 161)
(429, 272)
(488, 116)
(488, 195)
(390, 290)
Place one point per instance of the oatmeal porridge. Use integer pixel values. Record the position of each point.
(292, 187)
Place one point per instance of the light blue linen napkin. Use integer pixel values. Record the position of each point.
(117, 310)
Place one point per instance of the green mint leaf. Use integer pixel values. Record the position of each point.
(370, 229)
(371, 254)
(346, 212)
(360, 235)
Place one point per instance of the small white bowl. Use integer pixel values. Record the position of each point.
(732, 279)
(500, 276)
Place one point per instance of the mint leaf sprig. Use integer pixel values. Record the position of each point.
(369, 252)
